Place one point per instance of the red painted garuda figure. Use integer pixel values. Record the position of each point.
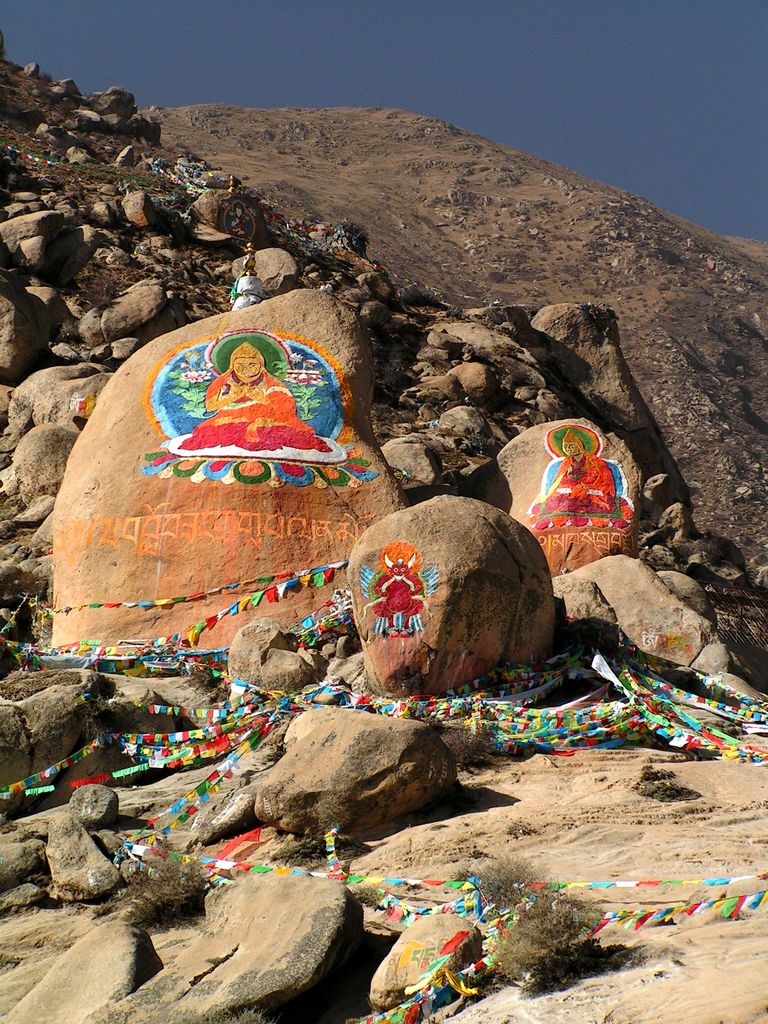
(397, 591)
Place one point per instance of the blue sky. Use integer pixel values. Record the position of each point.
(666, 98)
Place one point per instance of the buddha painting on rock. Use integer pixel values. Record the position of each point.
(255, 396)
(579, 488)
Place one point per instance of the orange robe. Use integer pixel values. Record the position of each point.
(257, 416)
(583, 492)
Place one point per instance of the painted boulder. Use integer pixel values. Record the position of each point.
(445, 591)
(232, 460)
(233, 213)
(574, 487)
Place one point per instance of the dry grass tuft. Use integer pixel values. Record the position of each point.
(247, 1016)
(660, 784)
(548, 948)
(470, 749)
(172, 891)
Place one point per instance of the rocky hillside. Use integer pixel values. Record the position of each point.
(278, 826)
(481, 221)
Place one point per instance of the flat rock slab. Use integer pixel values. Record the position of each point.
(266, 939)
(100, 969)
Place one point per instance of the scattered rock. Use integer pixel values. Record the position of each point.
(39, 462)
(478, 380)
(229, 818)
(266, 939)
(24, 329)
(26, 237)
(139, 209)
(276, 269)
(69, 252)
(415, 458)
(94, 806)
(60, 395)
(19, 861)
(23, 896)
(79, 870)
(585, 345)
(131, 311)
(262, 654)
(352, 769)
(647, 612)
(690, 592)
(424, 941)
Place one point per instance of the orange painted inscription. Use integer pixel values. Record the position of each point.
(157, 528)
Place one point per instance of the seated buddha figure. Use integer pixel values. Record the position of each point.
(253, 412)
(581, 488)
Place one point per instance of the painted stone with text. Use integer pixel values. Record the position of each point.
(233, 450)
(576, 489)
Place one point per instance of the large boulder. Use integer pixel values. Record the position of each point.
(650, 614)
(585, 346)
(425, 940)
(275, 471)
(266, 939)
(575, 488)
(39, 462)
(352, 769)
(79, 870)
(233, 214)
(24, 327)
(445, 591)
(100, 969)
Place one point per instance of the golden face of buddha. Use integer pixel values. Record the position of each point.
(247, 363)
(573, 446)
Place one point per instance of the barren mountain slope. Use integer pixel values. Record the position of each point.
(480, 221)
